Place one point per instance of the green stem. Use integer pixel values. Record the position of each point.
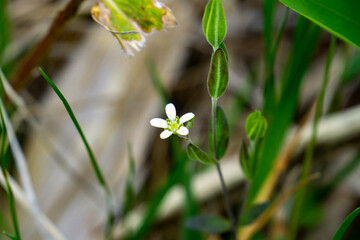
(223, 185)
(99, 175)
(294, 220)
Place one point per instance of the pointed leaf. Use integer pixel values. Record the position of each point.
(251, 214)
(344, 226)
(196, 154)
(131, 20)
(218, 77)
(214, 23)
(222, 133)
(209, 224)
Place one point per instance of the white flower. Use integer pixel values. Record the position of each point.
(173, 124)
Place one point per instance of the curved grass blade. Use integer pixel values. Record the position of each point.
(344, 226)
(297, 208)
(99, 175)
(21, 164)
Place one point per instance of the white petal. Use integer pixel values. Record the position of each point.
(186, 117)
(170, 111)
(165, 134)
(158, 122)
(183, 131)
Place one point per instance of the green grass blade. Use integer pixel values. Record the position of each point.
(130, 178)
(9, 193)
(5, 27)
(345, 171)
(341, 18)
(99, 175)
(156, 81)
(344, 226)
(306, 36)
(297, 208)
(269, 7)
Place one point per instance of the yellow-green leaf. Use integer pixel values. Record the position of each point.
(131, 20)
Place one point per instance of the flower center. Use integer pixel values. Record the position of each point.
(174, 126)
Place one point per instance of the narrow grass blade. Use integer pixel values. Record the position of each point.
(297, 208)
(21, 199)
(22, 168)
(129, 189)
(156, 81)
(344, 226)
(9, 192)
(5, 27)
(99, 175)
(306, 36)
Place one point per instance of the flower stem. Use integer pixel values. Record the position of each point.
(223, 186)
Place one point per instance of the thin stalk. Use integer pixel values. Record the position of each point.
(223, 186)
(294, 220)
(93, 161)
(9, 193)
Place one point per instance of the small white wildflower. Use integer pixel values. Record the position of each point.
(173, 124)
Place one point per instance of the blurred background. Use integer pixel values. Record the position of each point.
(115, 96)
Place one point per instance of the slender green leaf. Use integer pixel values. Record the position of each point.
(5, 27)
(129, 190)
(297, 208)
(209, 224)
(305, 40)
(156, 81)
(4, 162)
(94, 164)
(222, 133)
(341, 18)
(214, 23)
(218, 77)
(252, 213)
(77, 125)
(196, 154)
(344, 226)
